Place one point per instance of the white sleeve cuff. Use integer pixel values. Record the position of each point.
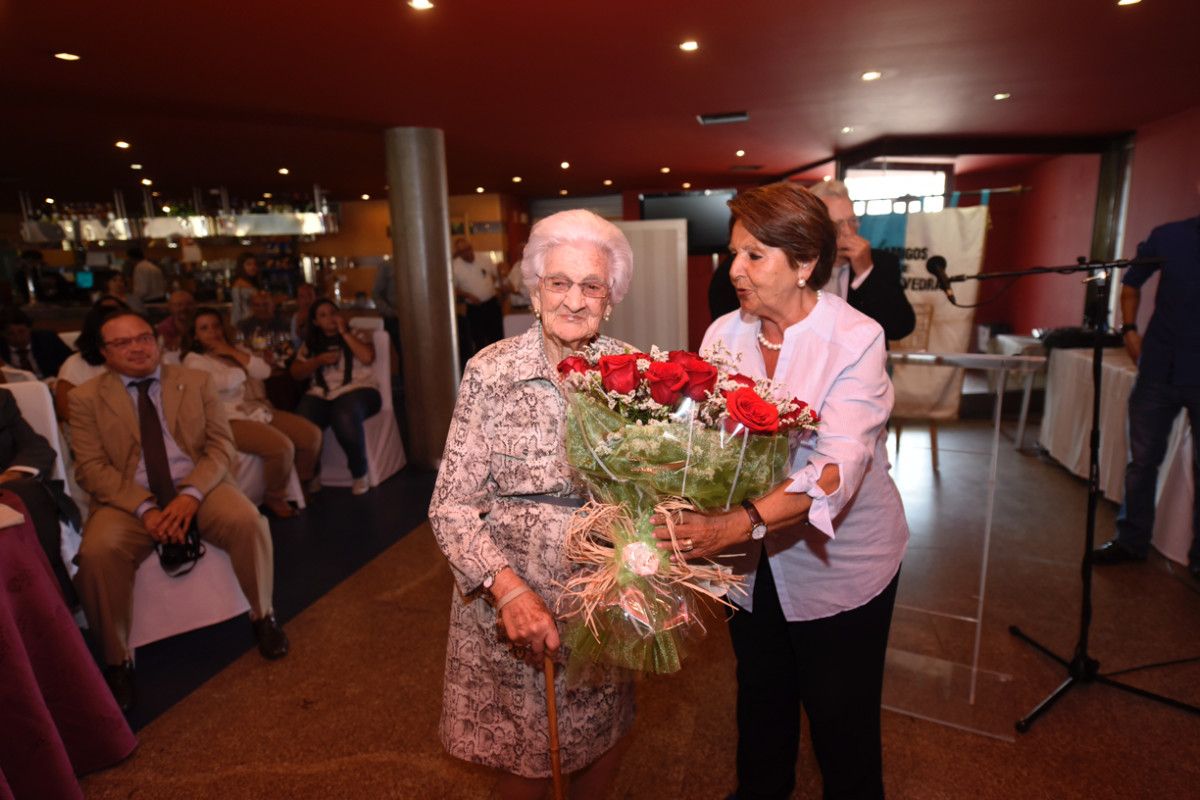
(819, 514)
(31, 471)
(860, 279)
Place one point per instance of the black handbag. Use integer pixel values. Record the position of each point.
(178, 559)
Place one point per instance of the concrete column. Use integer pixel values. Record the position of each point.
(423, 288)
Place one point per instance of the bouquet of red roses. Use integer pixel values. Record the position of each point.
(659, 432)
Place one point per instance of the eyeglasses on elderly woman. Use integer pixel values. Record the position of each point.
(560, 284)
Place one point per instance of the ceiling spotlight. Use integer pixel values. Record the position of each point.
(562, 192)
(664, 170)
(1128, 2)
(478, 190)
(847, 129)
(266, 195)
(50, 200)
(565, 165)
(420, 5)
(166, 209)
(147, 182)
(124, 145)
(155, 194)
(366, 197)
(608, 181)
(516, 178)
(740, 153)
(1001, 96)
(686, 185)
(283, 170)
(690, 46)
(135, 166)
(872, 75)
(66, 56)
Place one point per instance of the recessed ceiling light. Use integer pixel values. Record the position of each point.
(690, 46)
(50, 200)
(872, 75)
(66, 56)
(283, 170)
(420, 5)
(1128, 2)
(366, 197)
(135, 166)
(166, 209)
(1001, 96)
(478, 190)
(565, 165)
(740, 153)
(563, 192)
(664, 170)
(147, 182)
(266, 195)
(155, 194)
(124, 145)
(847, 129)
(608, 181)
(516, 178)
(686, 185)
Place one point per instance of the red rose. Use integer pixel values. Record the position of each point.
(620, 373)
(792, 418)
(741, 379)
(701, 375)
(573, 364)
(745, 406)
(666, 381)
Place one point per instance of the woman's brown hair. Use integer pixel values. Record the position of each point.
(790, 217)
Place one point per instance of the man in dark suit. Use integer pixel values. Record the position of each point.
(26, 463)
(868, 279)
(39, 352)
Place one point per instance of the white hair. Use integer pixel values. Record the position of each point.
(825, 189)
(579, 226)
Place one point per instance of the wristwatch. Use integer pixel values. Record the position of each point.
(1127, 327)
(758, 528)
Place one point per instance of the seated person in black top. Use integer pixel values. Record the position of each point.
(36, 351)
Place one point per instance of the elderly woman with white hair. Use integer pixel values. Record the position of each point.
(500, 510)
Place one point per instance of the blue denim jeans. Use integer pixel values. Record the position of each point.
(1153, 407)
(346, 415)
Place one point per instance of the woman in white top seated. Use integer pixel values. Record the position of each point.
(279, 438)
(81, 367)
(342, 392)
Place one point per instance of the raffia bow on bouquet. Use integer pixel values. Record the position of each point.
(659, 433)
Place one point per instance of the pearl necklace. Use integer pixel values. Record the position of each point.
(771, 345)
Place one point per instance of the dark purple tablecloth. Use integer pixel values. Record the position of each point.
(57, 717)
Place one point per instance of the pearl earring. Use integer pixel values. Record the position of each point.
(801, 283)
(607, 313)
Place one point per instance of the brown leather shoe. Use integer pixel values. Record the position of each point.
(272, 641)
(119, 678)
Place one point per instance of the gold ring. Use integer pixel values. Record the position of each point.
(688, 545)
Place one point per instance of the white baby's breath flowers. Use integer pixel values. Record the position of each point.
(640, 559)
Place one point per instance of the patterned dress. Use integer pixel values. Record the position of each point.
(507, 441)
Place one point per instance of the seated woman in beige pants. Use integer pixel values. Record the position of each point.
(281, 439)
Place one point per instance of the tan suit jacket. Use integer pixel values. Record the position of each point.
(107, 438)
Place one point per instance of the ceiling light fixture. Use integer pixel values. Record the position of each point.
(1001, 96)
(516, 178)
(135, 166)
(1128, 2)
(155, 194)
(50, 200)
(872, 75)
(562, 192)
(122, 144)
(283, 170)
(166, 209)
(686, 185)
(478, 190)
(420, 5)
(565, 165)
(366, 197)
(740, 153)
(266, 195)
(147, 182)
(66, 56)
(690, 46)
(664, 170)
(608, 181)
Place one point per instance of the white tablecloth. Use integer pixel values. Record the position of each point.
(1066, 425)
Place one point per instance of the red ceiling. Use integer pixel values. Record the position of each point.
(219, 93)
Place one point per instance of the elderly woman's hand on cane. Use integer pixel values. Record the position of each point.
(524, 620)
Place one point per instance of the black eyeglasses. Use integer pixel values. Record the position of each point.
(129, 341)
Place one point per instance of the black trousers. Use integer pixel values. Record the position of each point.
(833, 667)
(43, 513)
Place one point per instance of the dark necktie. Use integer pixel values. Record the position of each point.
(24, 361)
(154, 447)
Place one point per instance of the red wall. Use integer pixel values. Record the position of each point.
(1049, 225)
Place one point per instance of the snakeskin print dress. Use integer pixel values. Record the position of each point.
(506, 441)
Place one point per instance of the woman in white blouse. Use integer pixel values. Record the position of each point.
(824, 546)
(279, 438)
(343, 391)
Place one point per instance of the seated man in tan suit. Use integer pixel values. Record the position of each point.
(153, 449)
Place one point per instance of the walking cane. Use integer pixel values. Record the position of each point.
(552, 712)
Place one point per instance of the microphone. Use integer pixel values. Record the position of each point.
(936, 266)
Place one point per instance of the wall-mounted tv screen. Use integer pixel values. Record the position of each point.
(706, 213)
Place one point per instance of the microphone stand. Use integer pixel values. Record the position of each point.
(1082, 668)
